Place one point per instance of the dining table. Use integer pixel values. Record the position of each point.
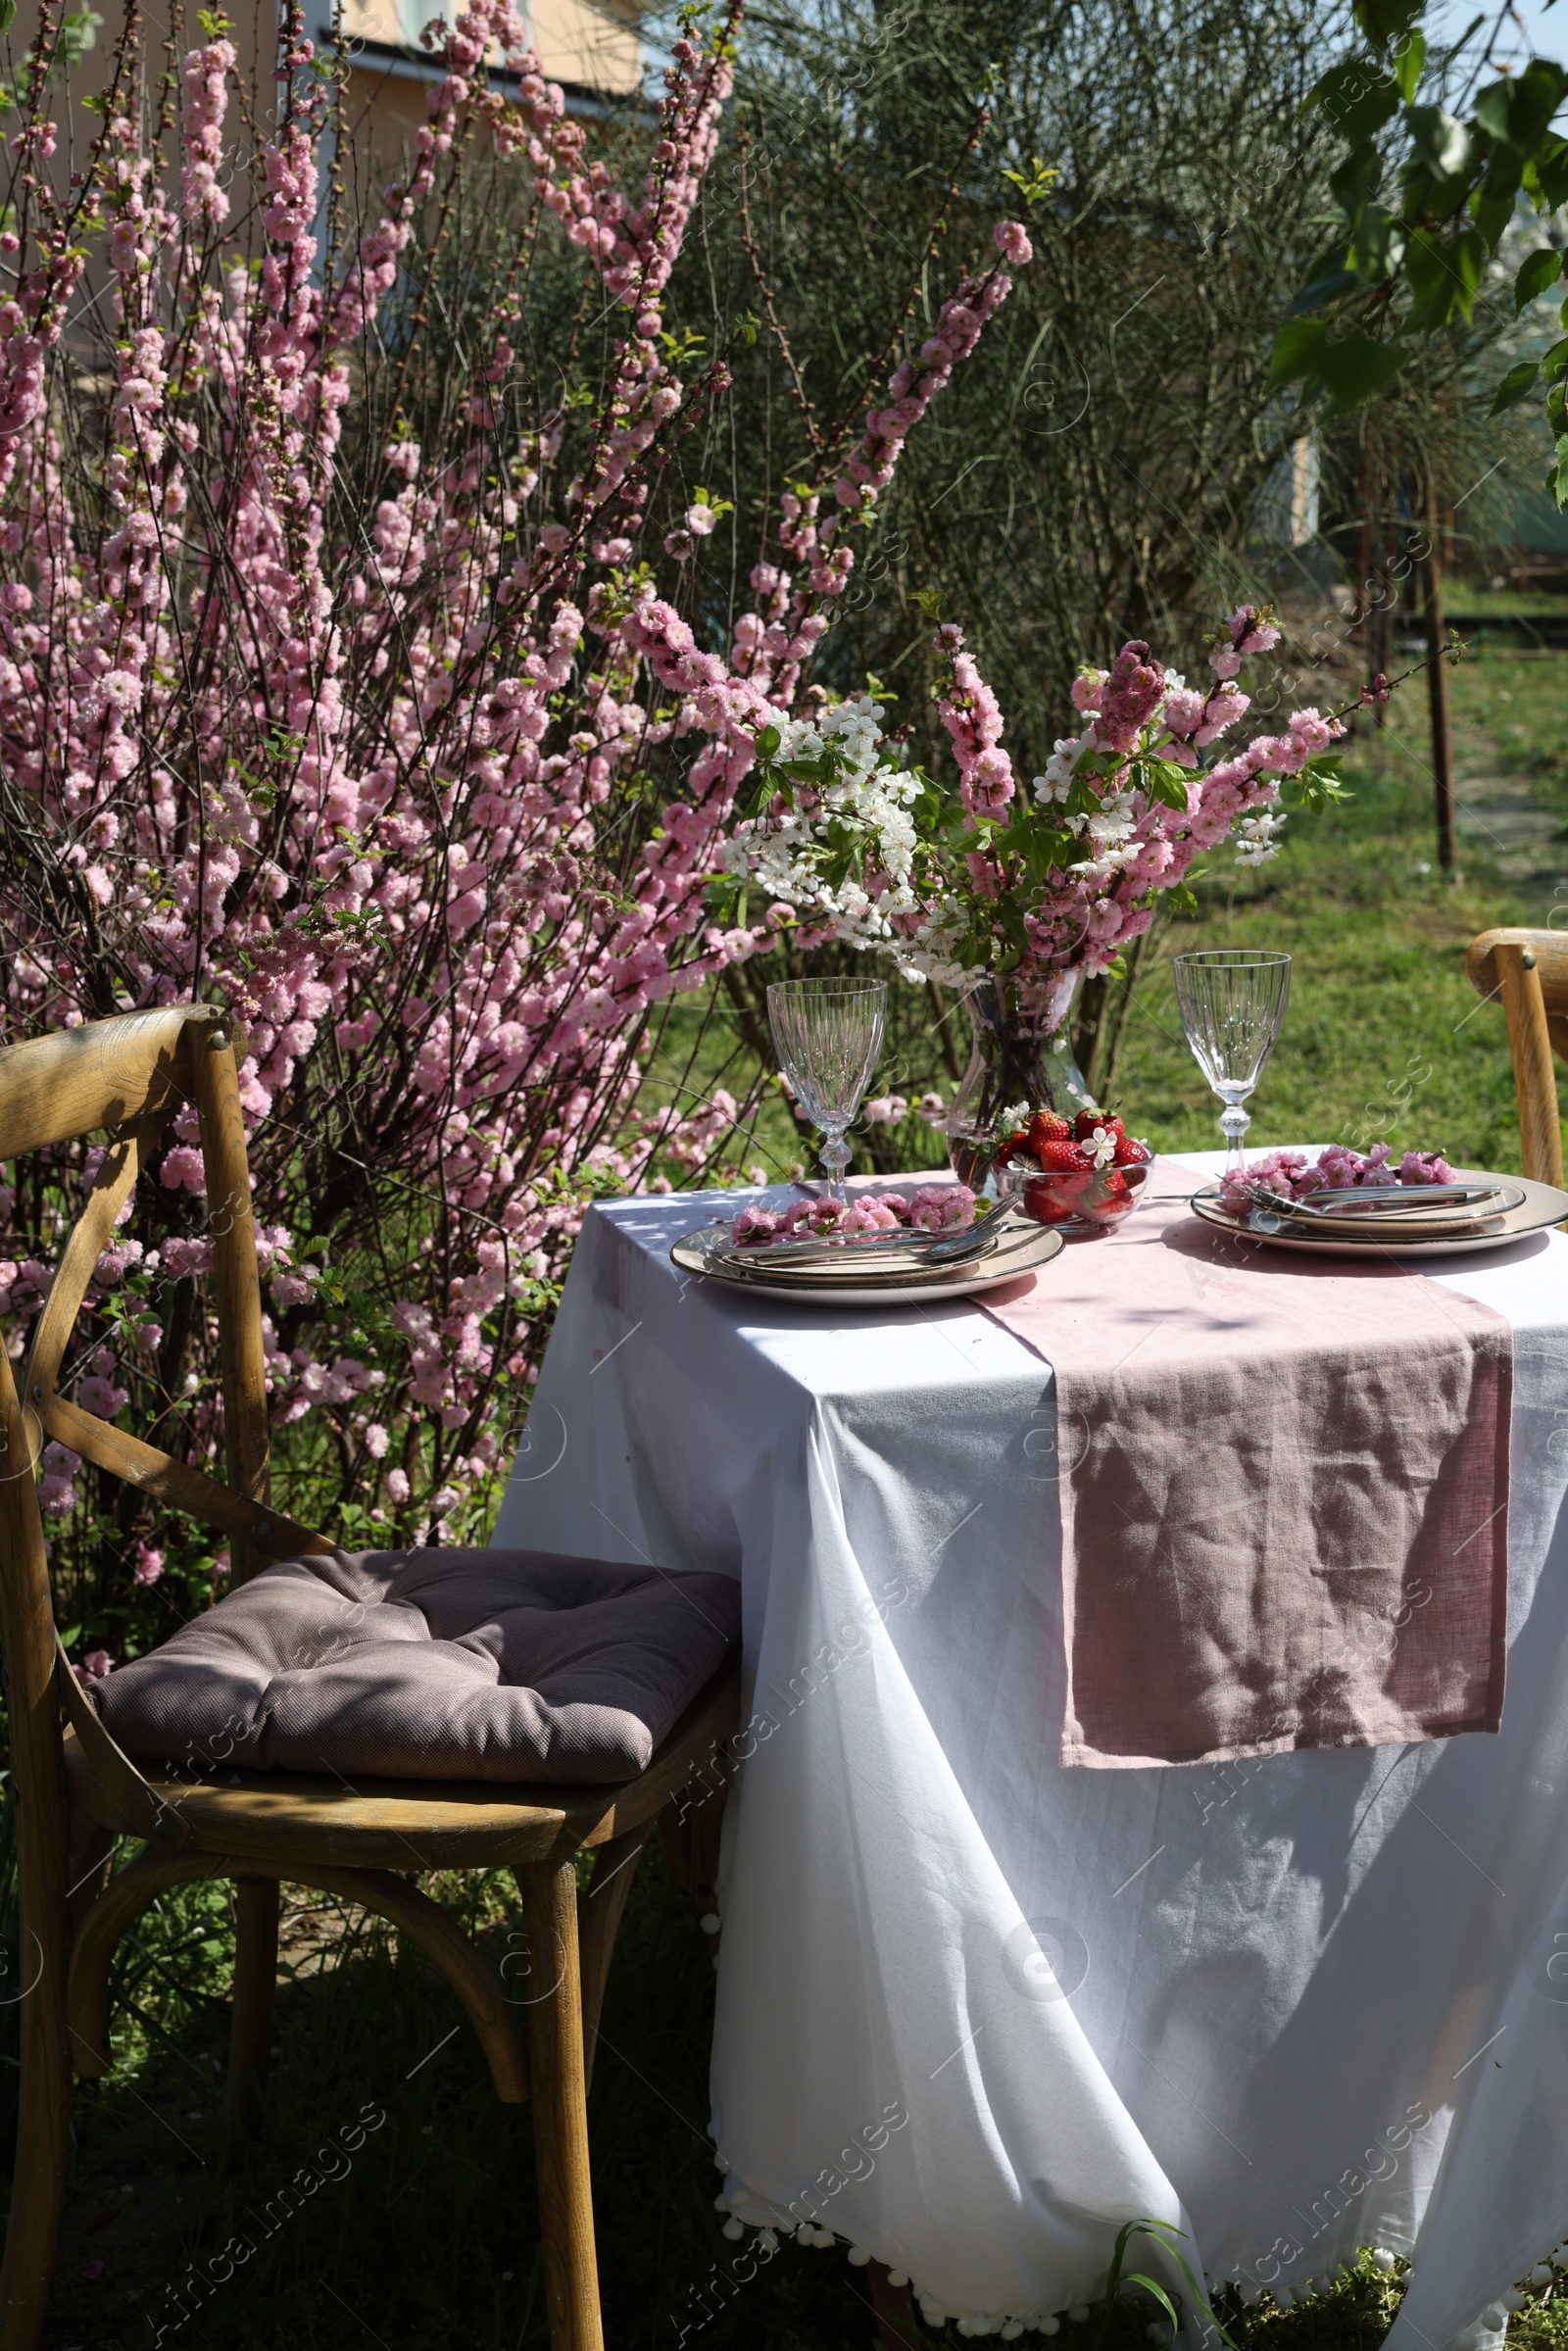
(978, 2007)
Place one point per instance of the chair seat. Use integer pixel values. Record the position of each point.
(470, 1665)
(415, 1825)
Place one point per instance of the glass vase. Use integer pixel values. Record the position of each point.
(1022, 1054)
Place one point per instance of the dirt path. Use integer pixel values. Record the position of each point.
(1501, 813)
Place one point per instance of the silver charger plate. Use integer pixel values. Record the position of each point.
(1543, 1205)
(1013, 1254)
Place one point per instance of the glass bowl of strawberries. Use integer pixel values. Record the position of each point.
(1087, 1171)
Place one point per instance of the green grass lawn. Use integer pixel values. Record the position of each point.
(426, 2236)
(1507, 604)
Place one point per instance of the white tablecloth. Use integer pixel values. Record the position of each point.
(1296, 2005)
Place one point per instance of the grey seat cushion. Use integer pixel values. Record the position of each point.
(431, 1665)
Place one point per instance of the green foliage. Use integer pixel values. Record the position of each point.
(1352, 370)
(1414, 270)
(79, 32)
(1122, 2281)
(1516, 385)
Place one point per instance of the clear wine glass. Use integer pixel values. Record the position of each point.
(828, 1035)
(1232, 1006)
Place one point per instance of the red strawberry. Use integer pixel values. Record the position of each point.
(1053, 1199)
(1010, 1149)
(1130, 1154)
(1108, 1198)
(1087, 1120)
(1061, 1157)
(1046, 1127)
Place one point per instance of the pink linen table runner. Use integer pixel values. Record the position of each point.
(1284, 1492)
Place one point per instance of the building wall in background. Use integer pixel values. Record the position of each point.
(592, 47)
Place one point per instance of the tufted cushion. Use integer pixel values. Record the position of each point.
(431, 1665)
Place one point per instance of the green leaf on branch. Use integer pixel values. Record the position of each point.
(1330, 281)
(1540, 270)
(1358, 179)
(1378, 245)
(1445, 273)
(1519, 380)
(1410, 58)
(1163, 780)
(1298, 350)
(1036, 185)
(1517, 110)
(1547, 174)
(1558, 478)
(1492, 112)
(1352, 370)
(1320, 783)
(1384, 21)
(79, 32)
(1492, 206)
(1441, 140)
(1555, 364)
(1357, 99)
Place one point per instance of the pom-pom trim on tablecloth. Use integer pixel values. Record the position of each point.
(772, 2224)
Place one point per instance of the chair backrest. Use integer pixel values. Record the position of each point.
(127, 1077)
(1529, 971)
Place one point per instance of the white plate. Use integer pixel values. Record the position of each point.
(1543, 1205)
(1036, 1245)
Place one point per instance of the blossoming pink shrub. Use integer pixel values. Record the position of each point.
(385, 738)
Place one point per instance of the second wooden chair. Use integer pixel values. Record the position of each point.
(1529, 971)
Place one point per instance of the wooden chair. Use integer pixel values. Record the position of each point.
(76, 1792)
(1529, 970)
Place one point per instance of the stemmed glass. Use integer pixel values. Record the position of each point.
(1233, 1005)
(828, 1035)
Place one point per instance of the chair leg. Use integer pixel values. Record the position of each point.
(896, 2326)
(690, 1828)
(549, 1892)
(250, 2032)
(598, 1915)
(44, 2116)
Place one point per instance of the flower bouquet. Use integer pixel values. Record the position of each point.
(1016, 894)
(857, 845)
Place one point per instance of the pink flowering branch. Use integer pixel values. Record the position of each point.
(392, 744)
(1122, 825)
